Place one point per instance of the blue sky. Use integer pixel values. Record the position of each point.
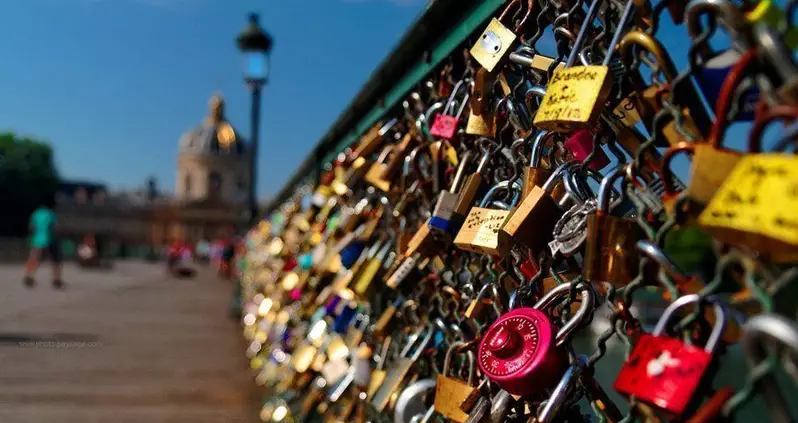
(113, 83)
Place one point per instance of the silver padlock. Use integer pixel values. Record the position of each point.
(414, 400)
(758, 333)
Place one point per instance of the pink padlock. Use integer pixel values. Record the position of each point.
(581, 145)
(522, 353)
(296, 294)
(445, 127)
(446, 123)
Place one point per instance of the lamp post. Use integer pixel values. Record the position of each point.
(255, 44)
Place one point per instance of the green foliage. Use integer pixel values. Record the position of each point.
(28, 178)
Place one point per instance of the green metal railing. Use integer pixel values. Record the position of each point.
(430, 41)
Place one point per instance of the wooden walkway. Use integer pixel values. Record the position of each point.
(125, 346)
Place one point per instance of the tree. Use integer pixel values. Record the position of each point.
(28, 178)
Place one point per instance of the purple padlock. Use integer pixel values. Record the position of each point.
(581, 145)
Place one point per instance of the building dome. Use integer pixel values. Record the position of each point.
(214, 136)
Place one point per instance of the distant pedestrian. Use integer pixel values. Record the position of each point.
(44, 243)
(203, 251)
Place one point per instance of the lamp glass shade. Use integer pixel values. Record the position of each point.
(257, 66)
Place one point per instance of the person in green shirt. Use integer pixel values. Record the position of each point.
(43, 243)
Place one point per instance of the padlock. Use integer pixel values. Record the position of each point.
(413, 401)
(481, 120)
(451, 392)
(756, 205)
(582, 144)
(532, 223)
(372, 269)
(610, 255)
(382, 172)
(476, 307)
(481, 231)
(408, 268)
(760, 334)
(711, 78)
(536, 174)
(780, 57)
(445, 215)
(711, 165)
(497, 41)
(575, 96)
(399, 372)
(562, 392)
(768, 13)
(693, 118)
(665, 372)
(447, 122)
(521, 351)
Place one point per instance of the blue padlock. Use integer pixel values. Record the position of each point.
(344, 318)
(305, 261)
(711, 79)
(351, 253)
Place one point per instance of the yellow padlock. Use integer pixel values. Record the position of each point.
(757, 206)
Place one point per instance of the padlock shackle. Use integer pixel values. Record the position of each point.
(726, 97)
(577, 319)
(665, 166)
(387, 127)
(560, 393)
(758, 331)
(764, 328)
(586, 23)
(605, 189)
(785, 113)
(434, 108)
(542, 138)
(411, 340)
(655, 254)
(516, 188)
(458, 348)
(558, 173)
(459, 175)
(649, 44)
(774, 50)
(724, 11)
(627, 12)
(720, 318)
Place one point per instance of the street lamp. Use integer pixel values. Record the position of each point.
(255, 44)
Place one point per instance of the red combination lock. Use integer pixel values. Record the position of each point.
(521, 351)
(665, 372)
(581, 145)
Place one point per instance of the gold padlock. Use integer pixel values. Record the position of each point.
(610, 255)
(694, 120)
(757, 205)
(536, 174)
(575, 96)
(481, 120)
(381, 173)
(497, 41)
(711, 165)
(451, 392)
(481, 232)
(400, 371)
(532, 223)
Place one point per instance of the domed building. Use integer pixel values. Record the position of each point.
(213, 161)
(212, 181)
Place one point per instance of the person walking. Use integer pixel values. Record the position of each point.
(44, 244)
